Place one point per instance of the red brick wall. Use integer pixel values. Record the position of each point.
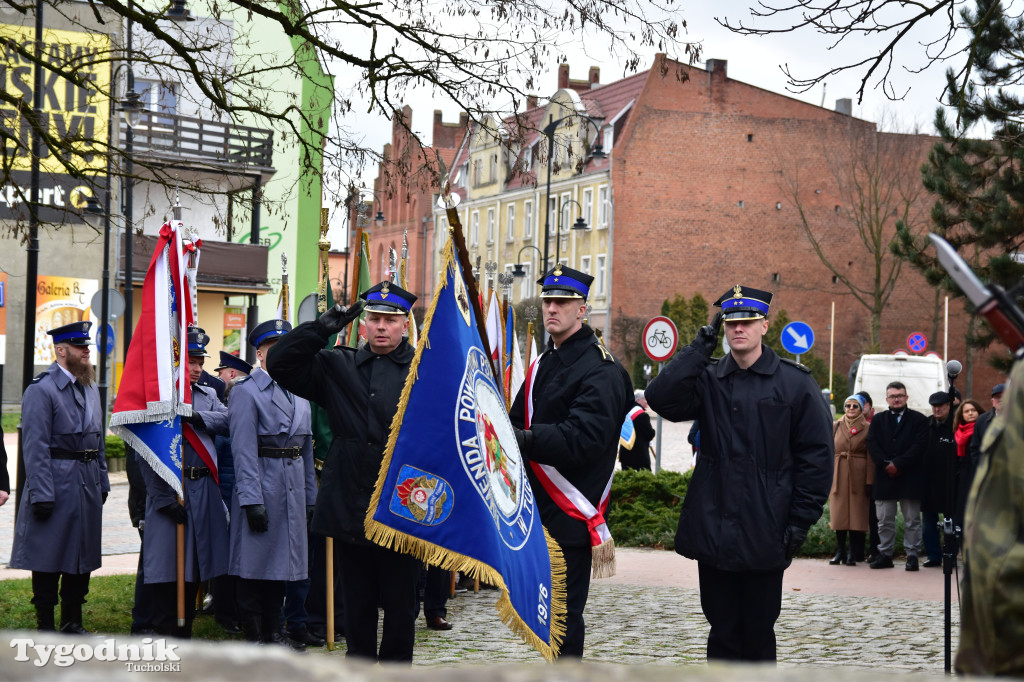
(680, 169)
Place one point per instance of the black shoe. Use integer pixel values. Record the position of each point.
(932, 563)
(73, 628)
(873, 557)
(882, 561)
(911, 563)
(837, 559)
(308, 638)
(230, 627)
(284, 640)
(850, 561)
(44, 619)
(321, 632)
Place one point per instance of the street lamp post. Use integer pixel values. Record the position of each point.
(580, 224)
(517, 268)
(596, 153)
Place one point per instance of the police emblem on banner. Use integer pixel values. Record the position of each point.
(421, 497)
(487, 447)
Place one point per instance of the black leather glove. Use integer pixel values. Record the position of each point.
(338, 317)
(793, 538)
(309, 514)
(257, 517)
(524, 439)
(707, 336)
(176, 512)
(195, 420)
(42, 510)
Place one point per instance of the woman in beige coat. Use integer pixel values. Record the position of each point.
(854, 472)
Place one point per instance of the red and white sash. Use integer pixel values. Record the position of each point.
(203, 445)
(571, 501)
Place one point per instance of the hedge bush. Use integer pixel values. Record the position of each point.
(115, 447)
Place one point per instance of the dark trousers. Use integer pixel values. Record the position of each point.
(144, 610)
(293, 613)
(73, 588)
(316, 600)
(435, 585)
(225, 599)
(373, 576)
(261, 599)
(741, 607)
(872, 530)
(577, 588)
(930, 536)
(165, 595)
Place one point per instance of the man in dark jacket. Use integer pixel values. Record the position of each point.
(570, 423)
(360, 390)
(763, 475)
(939, 457)
(896, 442)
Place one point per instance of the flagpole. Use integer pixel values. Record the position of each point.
(450, 203)
(180, 528)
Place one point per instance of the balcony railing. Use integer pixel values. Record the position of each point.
(196, 139)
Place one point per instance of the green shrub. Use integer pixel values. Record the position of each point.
(644, 507)
(115, 447)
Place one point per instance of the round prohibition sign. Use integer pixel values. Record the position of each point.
(660, 338)
(917, 342)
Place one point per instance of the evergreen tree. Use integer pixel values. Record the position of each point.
(979, 183)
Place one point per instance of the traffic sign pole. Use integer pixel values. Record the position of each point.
(657, 437)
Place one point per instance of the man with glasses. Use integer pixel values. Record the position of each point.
(896, 443)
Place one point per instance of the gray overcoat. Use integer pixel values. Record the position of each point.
(264, 414)
(206, 530)
(55, 414)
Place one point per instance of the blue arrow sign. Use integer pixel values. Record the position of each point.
(797, 337)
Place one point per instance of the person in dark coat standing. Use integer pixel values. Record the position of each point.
(896, 442)
(639, 455)
(576, 406)
(763, 475)
(275, 489)
(359, 389)
(202, 512)
(939, 456)
(57, 535)
(5, 478)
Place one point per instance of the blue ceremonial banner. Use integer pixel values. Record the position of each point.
(453, 489)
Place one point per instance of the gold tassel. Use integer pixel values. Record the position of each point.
(603, 565)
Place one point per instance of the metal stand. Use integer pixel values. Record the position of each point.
(950, 536)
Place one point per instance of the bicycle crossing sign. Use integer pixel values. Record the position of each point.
(660, 338)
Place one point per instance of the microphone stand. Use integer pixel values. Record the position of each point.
(950, 534)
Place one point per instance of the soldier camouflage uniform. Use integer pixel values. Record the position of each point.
(992, 626)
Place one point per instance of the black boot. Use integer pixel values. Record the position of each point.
(253, 627)
(840, 548)
(856, 547)
(71, 619)
(44, 619)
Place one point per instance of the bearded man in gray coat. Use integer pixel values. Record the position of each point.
(275, 490)
(57, 536)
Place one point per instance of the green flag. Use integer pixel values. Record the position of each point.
(358, 328)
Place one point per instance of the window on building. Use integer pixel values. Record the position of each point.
(478, 166)
(490, 226)
(528, 219)
(565, 220)
(510, 223)
(588, 206)
(600, 276)
(526, 284)
(585, 265)
(552, 217)
(442, 232)
(159, 98)
(602, 207)
(474, 230)
(493, 175)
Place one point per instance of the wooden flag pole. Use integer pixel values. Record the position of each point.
(321, 305)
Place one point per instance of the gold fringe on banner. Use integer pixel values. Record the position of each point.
(453, 561)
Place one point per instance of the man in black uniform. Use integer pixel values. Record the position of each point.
(360, 391)
(570, 421)
(763, 475)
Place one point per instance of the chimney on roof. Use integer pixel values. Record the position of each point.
(717, 67)
(594, 76)
(844, 106)
(531, 101)
(463, 119)
(438, 116)
(563, 76)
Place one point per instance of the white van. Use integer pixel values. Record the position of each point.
(921, 374)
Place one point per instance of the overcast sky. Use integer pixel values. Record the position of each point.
(751, 59)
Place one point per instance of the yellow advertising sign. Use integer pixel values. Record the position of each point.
(75, 108)
(60, 301)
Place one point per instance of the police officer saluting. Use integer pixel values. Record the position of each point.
(763, 475)
(570, 421)
(57, 536)
(275, 488)
(206, 528)
(359, 389)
